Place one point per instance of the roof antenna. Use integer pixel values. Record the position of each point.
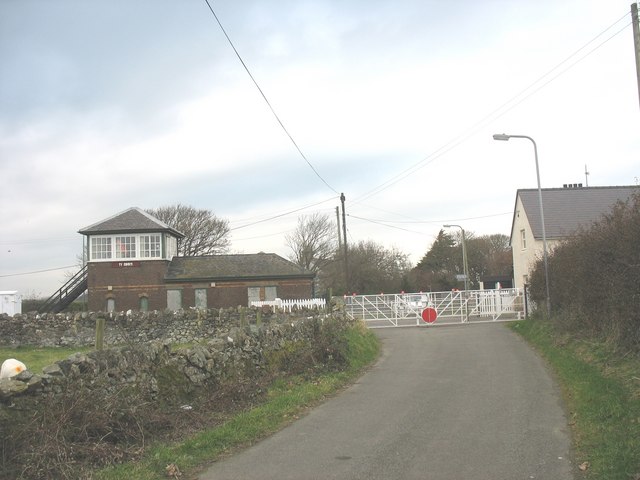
(586, 176)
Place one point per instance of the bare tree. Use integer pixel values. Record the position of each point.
(204, 233)
(313, 242)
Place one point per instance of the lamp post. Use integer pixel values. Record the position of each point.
(505, 137)
(465, 265)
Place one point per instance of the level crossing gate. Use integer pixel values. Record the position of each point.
(437, 308)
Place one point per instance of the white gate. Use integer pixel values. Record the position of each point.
(456, 307)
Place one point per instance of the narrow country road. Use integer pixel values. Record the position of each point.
(444, 403)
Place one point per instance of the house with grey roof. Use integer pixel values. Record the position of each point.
(133, 263)
(566, 210)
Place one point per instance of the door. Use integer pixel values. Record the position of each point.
(174, 300)
(201, 298)
(253, 294)
(270, 293)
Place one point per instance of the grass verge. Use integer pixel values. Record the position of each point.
(35, 358)
(286, 400)
(602, 393)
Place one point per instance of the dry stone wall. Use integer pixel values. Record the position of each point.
(98, 408)
(230, 345)
(78, 329)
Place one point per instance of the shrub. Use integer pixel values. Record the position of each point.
(594, 279)
(323, 346)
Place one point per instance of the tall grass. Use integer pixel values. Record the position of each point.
(602, 393)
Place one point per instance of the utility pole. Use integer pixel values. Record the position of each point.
(636, 41)
(338, 222)
(344, 237)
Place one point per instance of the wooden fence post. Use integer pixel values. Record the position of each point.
(243, 317)
(100, 327)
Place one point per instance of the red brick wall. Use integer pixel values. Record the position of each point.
(232, 294)
(126, 284)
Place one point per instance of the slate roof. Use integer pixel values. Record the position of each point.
(233, 267)
(132, 220)
(567, 209)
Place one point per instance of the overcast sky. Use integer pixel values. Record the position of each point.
(109, 105)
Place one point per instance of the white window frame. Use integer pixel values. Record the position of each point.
(125, 246)
(101, 248)
(171, 247)
(523, 239)
(150, 246)
(134, 246)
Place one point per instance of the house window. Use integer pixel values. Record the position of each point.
(150, 246)
(100, 248)
(144, 304)
(126, 247)
(131, 247)
(201, 298)
(174, 300)
(523, 240)
(172, 247)
(525, 279)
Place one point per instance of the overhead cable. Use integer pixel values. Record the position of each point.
(498, 112)
(435, 221)
(377, 222)
(280, 215)
(37, 271)
(267, 100)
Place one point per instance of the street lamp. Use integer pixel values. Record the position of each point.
(505, 137)
(465, 265)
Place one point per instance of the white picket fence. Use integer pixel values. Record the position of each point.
(290, 305)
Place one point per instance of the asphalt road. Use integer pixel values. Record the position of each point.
(443, 403)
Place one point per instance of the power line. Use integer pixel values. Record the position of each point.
(267, 100)
(261, 216)
(49, 240)
(378, 222)
(280, 215)
(414, 220)
(496, 113)
(261, 236)
(436, 221)
(37, 271)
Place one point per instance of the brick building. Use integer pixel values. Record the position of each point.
(133, 264)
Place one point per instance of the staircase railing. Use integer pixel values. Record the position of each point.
(67, 293)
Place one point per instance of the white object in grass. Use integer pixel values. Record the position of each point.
(11, 367)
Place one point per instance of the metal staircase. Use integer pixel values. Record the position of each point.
(67, 293)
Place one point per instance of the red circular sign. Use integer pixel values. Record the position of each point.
(429, 314)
